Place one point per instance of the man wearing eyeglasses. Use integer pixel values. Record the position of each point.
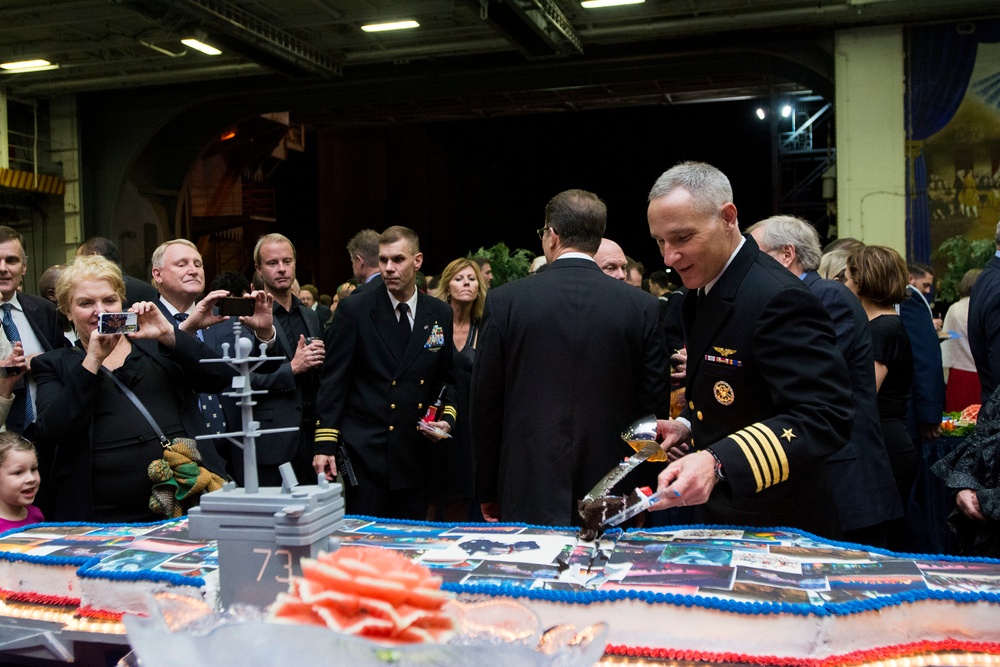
(566, 360)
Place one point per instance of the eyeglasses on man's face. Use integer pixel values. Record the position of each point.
(541, 232)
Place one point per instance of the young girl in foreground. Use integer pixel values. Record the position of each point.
(19, 481)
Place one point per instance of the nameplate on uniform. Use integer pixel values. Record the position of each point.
(723, 360)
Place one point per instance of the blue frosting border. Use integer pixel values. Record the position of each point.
(86, 563)
(730, 606)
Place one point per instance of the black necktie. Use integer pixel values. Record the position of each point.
(404, 323)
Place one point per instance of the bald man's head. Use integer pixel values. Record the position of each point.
(611, 258)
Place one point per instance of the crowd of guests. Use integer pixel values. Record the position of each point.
(805, 379)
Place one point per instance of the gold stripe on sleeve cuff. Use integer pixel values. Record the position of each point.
(450, 411)
(741, 439)
(775, 452)
(327, 435)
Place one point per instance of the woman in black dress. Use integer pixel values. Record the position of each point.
(878, 276)
(94, 444)
(462, 286)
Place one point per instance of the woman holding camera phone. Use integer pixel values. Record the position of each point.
(94, 444)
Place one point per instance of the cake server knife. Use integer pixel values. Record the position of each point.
(641, 436)
(615, 475)
(643, 503)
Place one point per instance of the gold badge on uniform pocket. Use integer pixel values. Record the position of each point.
(724, 393)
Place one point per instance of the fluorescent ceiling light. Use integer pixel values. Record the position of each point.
(594, 4)
(201, 46)
(28, 66)
(395, 25)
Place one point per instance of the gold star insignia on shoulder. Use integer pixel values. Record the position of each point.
(788, 435)
(724, 351)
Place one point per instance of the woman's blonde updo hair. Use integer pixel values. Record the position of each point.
(442, 292)
(87, 267)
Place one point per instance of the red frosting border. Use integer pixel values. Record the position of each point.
(853, 658)
(38, 598)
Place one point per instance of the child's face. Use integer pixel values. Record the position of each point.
(19, 478)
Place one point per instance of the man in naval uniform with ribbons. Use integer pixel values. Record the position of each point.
(768, 394)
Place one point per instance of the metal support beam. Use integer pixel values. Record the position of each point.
(258, 35)
(537, 28)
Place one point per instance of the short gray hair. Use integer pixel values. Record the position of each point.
(161, 250)
(708, 186)
(781, 230)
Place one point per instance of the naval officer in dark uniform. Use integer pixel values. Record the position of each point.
(388, 356)
(768, 394)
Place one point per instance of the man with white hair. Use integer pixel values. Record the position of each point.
(860, 474)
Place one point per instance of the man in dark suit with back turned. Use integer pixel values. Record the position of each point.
(389, 354)
(363, 249)
(566, 361)
(984, 324)
(28, 318)
(768, 394)
(860, 474)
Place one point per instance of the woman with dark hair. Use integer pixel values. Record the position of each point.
(878, 276)
(462, 286)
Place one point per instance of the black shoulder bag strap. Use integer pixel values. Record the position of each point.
(138, 404)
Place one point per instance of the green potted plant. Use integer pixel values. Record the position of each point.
(961, 255)
(506, 265)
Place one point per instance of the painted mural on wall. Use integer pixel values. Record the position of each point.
(963, 159)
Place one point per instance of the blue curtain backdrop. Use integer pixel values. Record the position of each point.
(939, 65)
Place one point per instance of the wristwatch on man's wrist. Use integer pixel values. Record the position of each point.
(719, 474)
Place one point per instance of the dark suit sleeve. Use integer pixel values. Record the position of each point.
(654, 392)
(187, 353)
(794, 351)
(341, 346)
(927, 392)
(486, 404)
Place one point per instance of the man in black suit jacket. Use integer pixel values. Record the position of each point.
(389, 354)
(291, 400)
(860, 474)
(36, 322)
(768, 393)
(923, 415)
(179, 275)
(363, 249)
(566, 360)
(984, 324)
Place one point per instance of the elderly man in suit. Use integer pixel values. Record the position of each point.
(860, 474)
(566, 361)
(768, 394)
(179, 276)
(389, 356)
(984, 324)
(26, 318)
